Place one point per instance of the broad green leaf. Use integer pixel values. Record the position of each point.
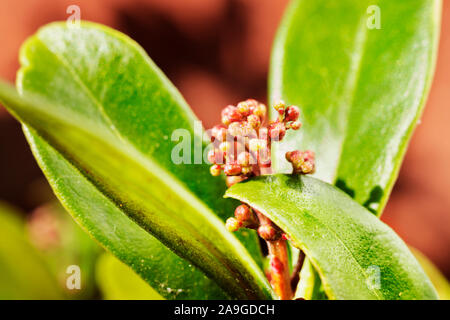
(24, 273)
(437, 278)
(361, 90)
(118, 282)
(356, 255)
(104, 221)
(144, 191)
(104, 75)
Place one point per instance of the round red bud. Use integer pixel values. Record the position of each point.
(244, 108)
(295, 125)
(268, 232)
(292, 113)
(232, 224)
(215, 170)
(279, 106)
(245, 215)
(277, 131)
(219, 132)
(232, 169)
(254, 121)
(247, 170)
(260, 110)
(231, 180)
(231, 114)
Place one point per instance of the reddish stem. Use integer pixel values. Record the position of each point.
(279, 263)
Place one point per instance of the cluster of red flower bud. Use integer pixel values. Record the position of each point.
(242, 142)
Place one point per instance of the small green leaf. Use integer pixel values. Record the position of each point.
(356, 255)
(145, 192)
(361, 90)
(118, 282)
(24, 274)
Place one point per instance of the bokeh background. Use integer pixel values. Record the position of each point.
(217, 52)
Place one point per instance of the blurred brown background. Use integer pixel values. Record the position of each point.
(217, 52)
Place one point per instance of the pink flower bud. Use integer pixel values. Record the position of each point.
(232, 169)
(268, 232)
(247, 170)
(292, 113)
(260, 110)
(231, 114)
(302, 162)
(215, 170)
(246, 107)
(280, 106)
(232, 224)
(231, 180)
(244, 214)
(295, 125)
(215, 156)
(277, 131)
(218, 132)
(254, 121)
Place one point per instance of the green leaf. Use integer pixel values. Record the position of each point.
(118, 282)
(309, 286)
(24, 273)
(104, 221)
(145, 192)
(348, 246)
(437, 278)
(361, 90)
(96, 73)
(102, 74)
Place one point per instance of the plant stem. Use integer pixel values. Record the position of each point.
(279, 269)
(279, 263)
(295, 278)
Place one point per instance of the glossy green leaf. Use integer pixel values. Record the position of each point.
(145, 192)
(24, 273)
(356, 255)
(106, 223)
(361, 90)
(118, 282)
(102, 74)
(98, 73)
